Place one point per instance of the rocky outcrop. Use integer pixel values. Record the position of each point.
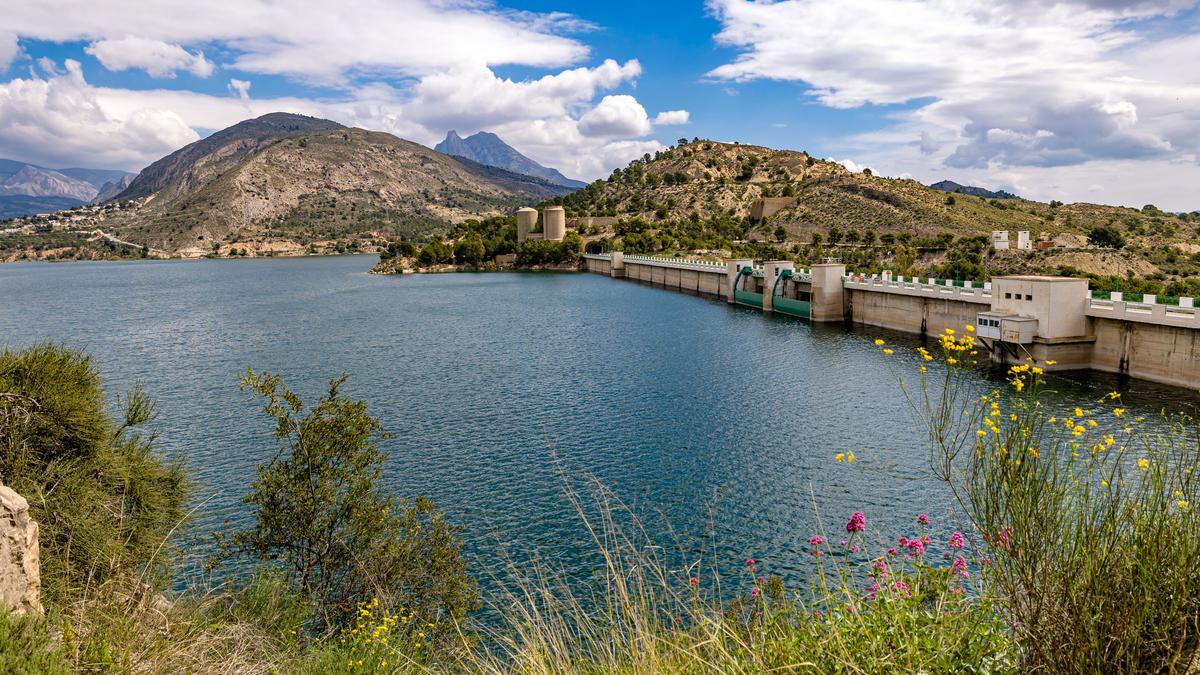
(20, 585)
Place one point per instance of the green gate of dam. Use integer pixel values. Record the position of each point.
(747, 274)
(782, 303)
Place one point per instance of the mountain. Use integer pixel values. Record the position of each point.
(97, 177)
(194, 165)
(951, 186)
(280, 184)
(487, 148)
(13, 206)
(112, 188)
(35, 181)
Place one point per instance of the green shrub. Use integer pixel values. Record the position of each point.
(26, 647)
(338, 541)
(1093, 521)
(105, 502)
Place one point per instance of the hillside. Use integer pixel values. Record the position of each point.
(958, 188)
(341, 185)
(488, 149)
(194, 165)
(703, 195)
(12, 206)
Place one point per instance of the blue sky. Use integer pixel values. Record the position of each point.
(1087, 100)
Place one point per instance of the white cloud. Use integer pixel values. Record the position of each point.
(670, 117)
(615, 116)
(851, 165)
(156, 57)
(315, 40)
(8, 49)
(239, 88)
(60, 121)
(999, 85)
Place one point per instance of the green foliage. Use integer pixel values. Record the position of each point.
(435, 253)
(1106, 236)
(320, 517)
(781, 234)
(541, 252)
(26, 647)
(470, 250)
(1092, 521)
(105, 502)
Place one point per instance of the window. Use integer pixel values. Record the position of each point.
(1008, 296)
(1028, 297)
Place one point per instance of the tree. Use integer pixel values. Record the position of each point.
(816, 239)
(320, 518)
(470, 250)
(1106, 236)
(949, 200)
(781, 233)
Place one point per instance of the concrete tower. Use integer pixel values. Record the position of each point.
(554, 223)
(526, 223)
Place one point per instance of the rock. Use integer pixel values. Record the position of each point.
(20, 586)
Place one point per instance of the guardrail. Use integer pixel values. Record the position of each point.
(913, 286)
(597, 256)
(1144, 312)
(677, 263)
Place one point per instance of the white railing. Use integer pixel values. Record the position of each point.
(968, 292)
(677, 263)
(1183, 315)
(597, 256)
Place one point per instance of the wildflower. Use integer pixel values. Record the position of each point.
(754, 593)
(981, 433)
(1037, 371)
(1092, 423)
(1183, 504)
(1114, 395)
(916, 547)
(1118, 411)
(816, 540)
(956, 541)
(694, 581)
(901, 587)
(850, 457)
(839, 457)
(1079, 412)
(924, 369)
(923, 519)
(892, 551)
(889, 352)
(951, 360)
(749, 562)
(949, 331)
(970, 328)
(1144, 464)
(878, 342)
(858, 522)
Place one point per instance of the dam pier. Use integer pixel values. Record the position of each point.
(1055, 321)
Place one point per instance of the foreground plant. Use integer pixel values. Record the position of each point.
(1087, 513)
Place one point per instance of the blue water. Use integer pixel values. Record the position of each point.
(716, 424)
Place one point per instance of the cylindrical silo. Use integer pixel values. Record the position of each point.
(526, 223)
(554, 223)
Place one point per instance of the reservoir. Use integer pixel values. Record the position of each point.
(718, 425)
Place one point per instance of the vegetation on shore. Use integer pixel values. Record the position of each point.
(1077, 556)
(474, 245)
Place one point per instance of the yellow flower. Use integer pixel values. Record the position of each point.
(1052, 420)
(924, 369)
(1118, 411)
(1183, 504)
(951, 360)
(1034, 452)
(1050, 363)
(1104, 483)
(1144, 464)
(981, 433)
(841, 456)
(949, 331)
(1114, 395)
(889, 352)
(850, 457)
(1077, 431)
(1079, 412)
(970, 328)
(878, 342)
(1092, 423)
(1037, 371)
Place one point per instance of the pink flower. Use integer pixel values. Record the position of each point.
(854, 548)
(858, 522)
(843, 542)
(903, 541)
(956, 541)
(749, 562)
(892, 551)
(754, 593)
(925, 539)
(916, 547)
(816, 540)
(960, 567)
(694, 581)
(923, 519)
(901, 588)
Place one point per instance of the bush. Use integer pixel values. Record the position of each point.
(1092, 522)
(26, 647)
(320, 518)
(1106, 236)
(103, 499)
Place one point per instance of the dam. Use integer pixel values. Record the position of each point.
(1056, 322)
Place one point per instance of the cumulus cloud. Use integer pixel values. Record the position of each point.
(615, 116)
(318, 41)
(8, 50)
(239, 88)
(59, 120)
(997, 84)
(157, 58)
(670, 117)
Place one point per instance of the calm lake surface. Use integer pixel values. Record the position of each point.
(717, 424)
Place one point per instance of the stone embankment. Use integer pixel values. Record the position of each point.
(20, 585)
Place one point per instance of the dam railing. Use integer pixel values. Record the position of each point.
(1148, 310)
(936, 288)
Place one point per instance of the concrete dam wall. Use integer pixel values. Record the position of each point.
(1046, 319)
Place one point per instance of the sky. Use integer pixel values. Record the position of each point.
(1086, 100)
